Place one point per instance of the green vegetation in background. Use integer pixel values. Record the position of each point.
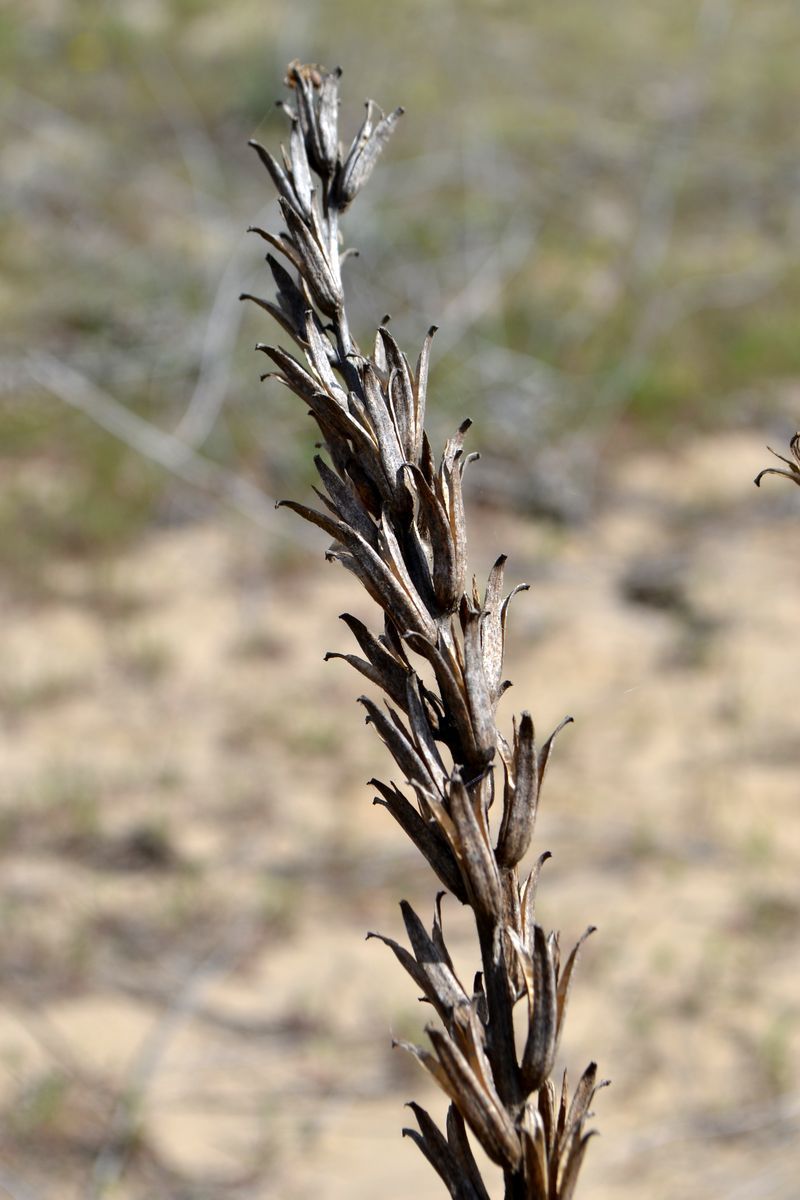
(648, 152)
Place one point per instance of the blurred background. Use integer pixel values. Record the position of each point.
(599, 206)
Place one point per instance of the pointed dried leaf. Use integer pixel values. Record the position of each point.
(528, 900)
(459, 1143)
(359, 664)
(334, 529)
(363, 155)
(303, 79)
(469, 1034)
(426, 837)
(282, 182)
(457, 731)
(536, 1161)
(382, 584)
(392, 671)
(347, 502)
(410, 964)
(319, 357)
(399, 744)
(512, 923)
(437, 933)
(547, 1108)
(420, 393)
(482, 1110)
(524, 963)
(296, 376)
(289, 294)
(277, 314)
(582, 1099)
(443, 982)
(569, 1179)
(421, 730)
(565, 977)
(477, 861)
(282, 244)
(438, 1153)
(547, 748)
(314, 267)
(429, 1061)
(447, 583)
(301, 175)
(455, 512)
(401, 391)
(392, 555)
(540, 1046)
(478, 700)
(492, 628)
(363, 464)
(328, 118)
(520, 798)
(381, 421)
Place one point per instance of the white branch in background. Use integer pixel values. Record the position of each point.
(75, 389)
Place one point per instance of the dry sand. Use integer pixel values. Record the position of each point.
(190, 858)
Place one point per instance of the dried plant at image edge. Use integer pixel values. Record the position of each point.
(396, 520)
(792, 463)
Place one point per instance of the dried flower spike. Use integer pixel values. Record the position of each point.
(395, 518)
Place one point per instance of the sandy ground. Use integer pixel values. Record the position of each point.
(190, 859)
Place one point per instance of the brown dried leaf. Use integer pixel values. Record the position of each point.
(314, 266)
(426, 836)
(477, 860)
(363, 155)
(392, 671)
(565, 977)
(462, 746)
(482, 1110)
(283, 183)
(528, 900)
(478, 699)
(301, 175)
(443, 983)
(492, 628)
(459, 1143)
(536, 1159)
(540, 1046)
(420, 392)
(569, 1178)
(347, 503)
(520, 797)
(399, 745)
(439, 1154)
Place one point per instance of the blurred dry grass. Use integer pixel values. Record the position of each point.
(599, 207)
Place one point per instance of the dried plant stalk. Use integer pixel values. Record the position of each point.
(395, 517)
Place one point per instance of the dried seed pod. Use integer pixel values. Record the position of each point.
(363, 154)
(318, 103)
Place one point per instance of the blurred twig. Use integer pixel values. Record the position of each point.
(71, 386)
(220, 336)
(110, 1164)
(207, 182)
(15, 1188)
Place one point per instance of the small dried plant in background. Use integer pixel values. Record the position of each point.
(792, 463)
(395, 516)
